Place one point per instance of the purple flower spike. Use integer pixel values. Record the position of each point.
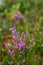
(12, 53)
(15, 47)
(21, 47)
(15, 39)
(14, 31)
(24, 36)
(19, 41)
(18, 15)
(7, 46)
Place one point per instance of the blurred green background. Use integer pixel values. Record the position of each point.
(32, 23)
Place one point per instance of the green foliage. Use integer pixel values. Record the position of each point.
(31, 23)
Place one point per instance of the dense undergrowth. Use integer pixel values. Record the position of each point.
(21, 32)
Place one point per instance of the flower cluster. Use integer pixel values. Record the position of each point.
(18, 15)
(17, 42)
(14, 31)
(10, 50)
